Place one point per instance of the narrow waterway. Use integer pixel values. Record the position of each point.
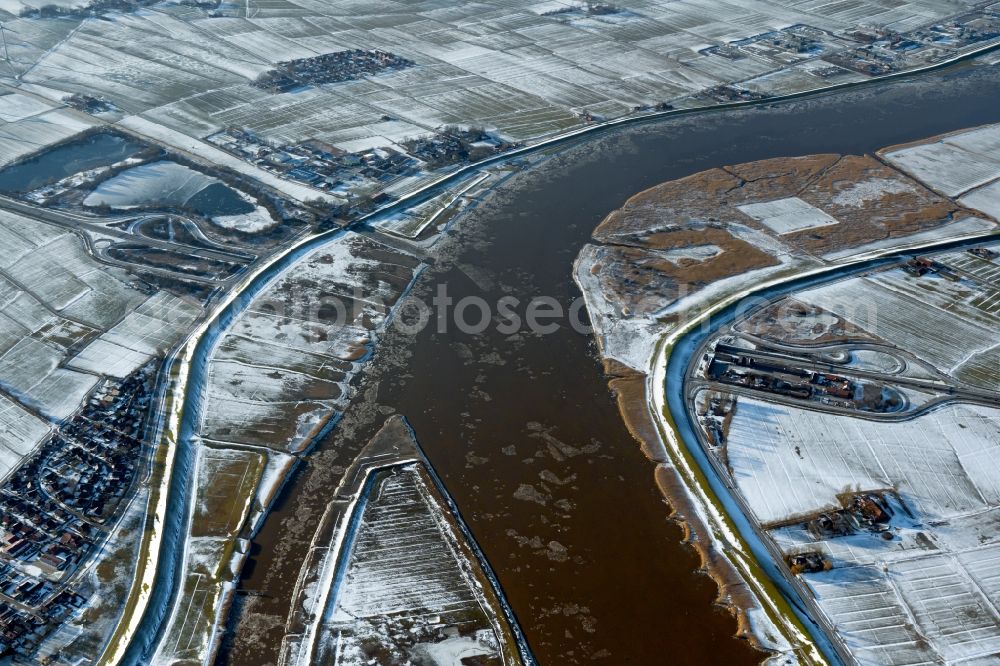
(522, 428)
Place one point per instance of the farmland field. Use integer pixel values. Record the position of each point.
(922, 588)
(524, 70)
(282, 373)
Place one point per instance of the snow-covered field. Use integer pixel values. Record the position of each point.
(407, 589)
(150, 329)
(955, 164)
(786, 216)
(870, 615)
(22, 135)
(933, 601)
(15, 107)
(942, 462)
(282, 371)
(59, 272)
(65, 321)
(20, 431)
(402, 561)
(253, 222)
(30, 371)
(512, 67)
(985, 199)
(947, 168)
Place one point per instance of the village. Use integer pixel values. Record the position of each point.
(874, 50)
(360, 177)
(59, 505)
(329, 68)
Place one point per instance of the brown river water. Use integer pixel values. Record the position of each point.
(522, 428)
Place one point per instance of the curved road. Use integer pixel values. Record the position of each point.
(686, 350)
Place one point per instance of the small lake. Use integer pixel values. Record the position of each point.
(53, 165)
(219, 200)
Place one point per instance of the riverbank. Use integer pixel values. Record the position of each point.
(685, 297)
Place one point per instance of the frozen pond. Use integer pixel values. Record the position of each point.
(58, 163)
(166, 183)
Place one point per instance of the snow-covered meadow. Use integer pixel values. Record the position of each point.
(282, 371)
(408, 589)
(926, 590)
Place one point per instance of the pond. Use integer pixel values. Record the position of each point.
(88, 153)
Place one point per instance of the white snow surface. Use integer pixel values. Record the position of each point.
(162, 182)
(20, 432)
(944, 463)
(30, 372)
(786, 216)
(150, 329)
(258, 220)
(15, 106)
(956, 163)
(985, 199)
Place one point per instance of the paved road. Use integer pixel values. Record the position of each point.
(80, 222)
(946, 392)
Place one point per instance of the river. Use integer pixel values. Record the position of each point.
(522, 428)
